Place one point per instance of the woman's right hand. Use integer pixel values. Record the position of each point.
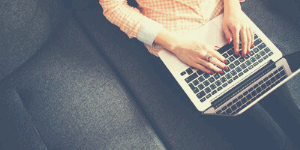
(193, 53)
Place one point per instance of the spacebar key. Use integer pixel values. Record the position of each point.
(191, 78)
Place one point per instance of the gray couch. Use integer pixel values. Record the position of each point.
(72, 80)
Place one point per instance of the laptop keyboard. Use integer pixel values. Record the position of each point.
(252, 94)
(205, 85)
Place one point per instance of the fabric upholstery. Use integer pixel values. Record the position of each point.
(25, 26)
(74, 99)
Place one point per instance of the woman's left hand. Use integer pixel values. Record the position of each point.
(235, 24)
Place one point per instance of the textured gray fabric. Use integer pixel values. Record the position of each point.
(177, 121)
(75, 99)
(16, 130)
(24, 27)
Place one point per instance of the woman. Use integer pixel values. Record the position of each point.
(164, 24)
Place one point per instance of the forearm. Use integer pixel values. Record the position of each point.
(230, 5)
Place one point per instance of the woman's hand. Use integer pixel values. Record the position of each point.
(193, 53)
(235, 24)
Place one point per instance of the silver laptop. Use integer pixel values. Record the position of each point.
(245, 83)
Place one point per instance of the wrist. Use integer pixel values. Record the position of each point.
(231, 6)
(167, 39)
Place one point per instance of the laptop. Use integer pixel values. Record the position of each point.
(245, 83)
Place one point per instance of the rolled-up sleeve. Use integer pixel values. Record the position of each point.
(130, 20)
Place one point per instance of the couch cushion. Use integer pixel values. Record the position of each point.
(75, 100)
(25, 26)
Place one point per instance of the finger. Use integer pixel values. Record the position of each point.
(249, 39)
(236, 39)
(209, 65)
(244, 41)
(227, 33)
(251, 36)
(220, 57)
(202, 68)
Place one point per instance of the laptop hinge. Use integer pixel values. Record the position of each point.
(244, 84)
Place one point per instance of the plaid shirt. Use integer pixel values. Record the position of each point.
(144, 22)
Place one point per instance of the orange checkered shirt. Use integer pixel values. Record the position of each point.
(144, 22)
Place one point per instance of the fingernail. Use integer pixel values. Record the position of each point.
(244, 55)
(225, 61)
(226, 68)
(228, 39)
(252, 46)
(221, 71)
(217, 47)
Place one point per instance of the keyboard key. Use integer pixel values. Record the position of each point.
(208, 96)
(211, 80)
(225, 55)
(206, 83)
(191, 78)
(225, 84)
(255, 64)
(228, 76)
(249, 96)
(252, 59)
(240, 97)
(201, 86)
(255, 50)
(273, 80)
(262, 53)
(244, 100)
(260, 82)
(224, 108)
(183, 73)
(243, 66)
(205, 75)
(223, 79)
(251, 89)
(195, 89)
(201, 94)
(230, 81)
(270, 54)
(257, 41)
(189, 71)
(239, 104)
(255, 86)
(281, 68)
(213, 86)
(237, 62)
(225, 71)
(266, 78)
(260, 60)
(207, 90)
(247, 56)
(282, 73)
(245, 93)
(263, 86)
(268, 83)
(262, 46)
(230, 52)
(235, 77)
(235, 100)
(270, 75)
(221, 74)
(195, 82)
(233, 72)
(203, 99)
(214, 92)
(250, 67)
(201, 79)
(267, 50)
(238, 69)
(258, 90)
(266, 56)
(228, 111)
(199, 72)
(255, 36)
(231, 66)
(240, 74)
(229, 104)
(219, 88)
(233, 107)
(218, 83)
(246, 70)
(278, 76)
(219, 112)
(231, 59)
(248, 63)
(251, 53)
(257, 56)
(217, 76)
(241, 59)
